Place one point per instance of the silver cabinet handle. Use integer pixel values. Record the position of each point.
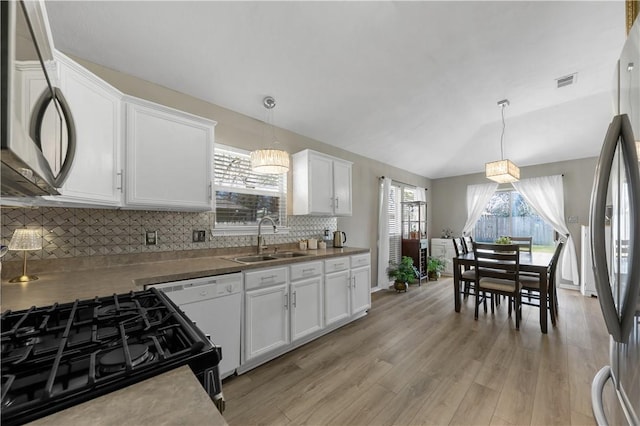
(294, 299)
(306, 271)
(120, 174)
(270, 277)
(286, 301)
(337, 203)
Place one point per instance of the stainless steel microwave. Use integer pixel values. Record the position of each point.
(38, 133)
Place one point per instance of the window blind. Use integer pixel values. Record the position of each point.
(243, 197)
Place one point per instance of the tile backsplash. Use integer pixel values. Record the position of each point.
(76, 232)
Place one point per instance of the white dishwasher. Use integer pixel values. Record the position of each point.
(214, 305)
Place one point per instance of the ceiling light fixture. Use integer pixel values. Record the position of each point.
(270, 160)
(502, 171)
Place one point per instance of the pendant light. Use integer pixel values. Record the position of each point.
(502, 171)
(270, 160)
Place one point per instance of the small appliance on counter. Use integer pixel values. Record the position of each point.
(58, 356)
(339, 238)
(326, 237)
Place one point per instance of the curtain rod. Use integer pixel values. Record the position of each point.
(403, 183)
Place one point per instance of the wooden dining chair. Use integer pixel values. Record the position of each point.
(468, 244)
(525, 243)
(532, 285)
(497, 269)
(467, 275)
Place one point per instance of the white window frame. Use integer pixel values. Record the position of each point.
(249, 229)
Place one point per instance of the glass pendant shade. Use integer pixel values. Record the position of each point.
(272, 161)
(502, 171)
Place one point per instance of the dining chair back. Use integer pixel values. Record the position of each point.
(458, 246)
(531, 283)
(497, 269)
(467, 275)
(468, 244)
(525, 243)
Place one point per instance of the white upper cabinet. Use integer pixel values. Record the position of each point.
(95, 177)
(169, 157)
(321, 184)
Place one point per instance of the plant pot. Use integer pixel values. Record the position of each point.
(433, 275)
(400, 286)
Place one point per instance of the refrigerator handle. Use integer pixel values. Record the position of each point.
(618, 326)
(597, 387)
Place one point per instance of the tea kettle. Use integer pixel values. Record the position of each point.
(338, 240)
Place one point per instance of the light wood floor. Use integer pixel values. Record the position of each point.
(413, 360)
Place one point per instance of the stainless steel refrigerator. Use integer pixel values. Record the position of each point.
(615, 247)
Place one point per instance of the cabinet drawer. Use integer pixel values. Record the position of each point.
(265, 277)
(307, 269)
(336, 264)
(360, 260)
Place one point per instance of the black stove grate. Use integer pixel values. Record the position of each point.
(59, 355)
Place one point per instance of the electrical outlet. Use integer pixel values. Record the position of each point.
(572, 219)
(199, 236)
(150, 238)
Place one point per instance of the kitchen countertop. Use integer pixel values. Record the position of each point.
(175, 397)
(156, 401)
(68, 285)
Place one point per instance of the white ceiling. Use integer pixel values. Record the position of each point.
(411, 84)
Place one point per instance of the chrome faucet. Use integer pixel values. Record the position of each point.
(261, 244)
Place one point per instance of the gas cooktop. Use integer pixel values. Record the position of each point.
(57, 356)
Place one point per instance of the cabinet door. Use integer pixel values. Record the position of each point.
(266, 320)
(450, 253)
(336, 297)
(320, 185)
(96, 173)
(306, 307)
(342, 188)
(360, 289)
(169, 158)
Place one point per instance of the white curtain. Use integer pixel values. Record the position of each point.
(383, 232)
(421, 194)
(477, 198)
(546, 196)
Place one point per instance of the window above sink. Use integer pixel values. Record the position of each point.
(243, 197)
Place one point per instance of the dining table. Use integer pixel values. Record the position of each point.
(534, 262)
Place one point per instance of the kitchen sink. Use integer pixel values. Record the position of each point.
(285, 255)
(254, 258)
(266, 257)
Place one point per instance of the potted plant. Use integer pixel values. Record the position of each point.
(435, 266)
(403, 273)
(503, 240)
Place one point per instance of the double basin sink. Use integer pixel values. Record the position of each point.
(257, 258)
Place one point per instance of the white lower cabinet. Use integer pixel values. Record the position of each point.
(360, 283)
(443, 248)
(306, 299)
(348, 288)
(288, 306)
(336, 295)
(266, 311)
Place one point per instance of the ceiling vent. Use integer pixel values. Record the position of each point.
(567, 80)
